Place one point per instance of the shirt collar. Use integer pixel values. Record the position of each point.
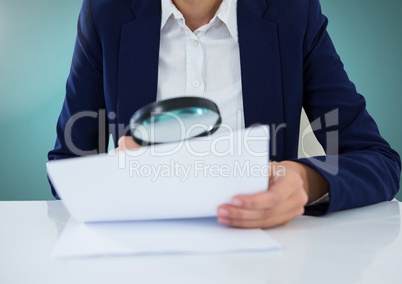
(169, 9)
(227, 13)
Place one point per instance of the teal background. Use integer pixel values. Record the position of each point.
(36, 44)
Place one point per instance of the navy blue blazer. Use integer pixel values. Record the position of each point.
(287, 62)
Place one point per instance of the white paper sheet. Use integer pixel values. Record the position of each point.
(186, 180)
(188, 236)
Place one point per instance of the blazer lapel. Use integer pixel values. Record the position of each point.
(138, 59)
(261, 70)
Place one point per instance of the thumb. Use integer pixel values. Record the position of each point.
(127, 143)
(276, 172)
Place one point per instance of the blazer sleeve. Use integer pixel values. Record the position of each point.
(360, 166)
(81, 129)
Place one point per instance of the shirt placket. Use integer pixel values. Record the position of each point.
(195, 84)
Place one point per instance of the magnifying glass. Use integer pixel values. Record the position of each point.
(174, 120)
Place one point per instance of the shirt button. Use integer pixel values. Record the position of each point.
(194, 42)
(196, 83)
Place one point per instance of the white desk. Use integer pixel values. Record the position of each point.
(356, 246)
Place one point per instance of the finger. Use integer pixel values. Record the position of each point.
(295, 202)
(276, 171)
(277, 193)
(265, 223)
(127, 143)
(232, 212)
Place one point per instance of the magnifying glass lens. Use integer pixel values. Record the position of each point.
(175, 120)
(185, 113)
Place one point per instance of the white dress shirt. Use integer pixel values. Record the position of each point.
(204, 63)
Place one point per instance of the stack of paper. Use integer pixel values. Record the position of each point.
(187, 236)
(172, 181)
